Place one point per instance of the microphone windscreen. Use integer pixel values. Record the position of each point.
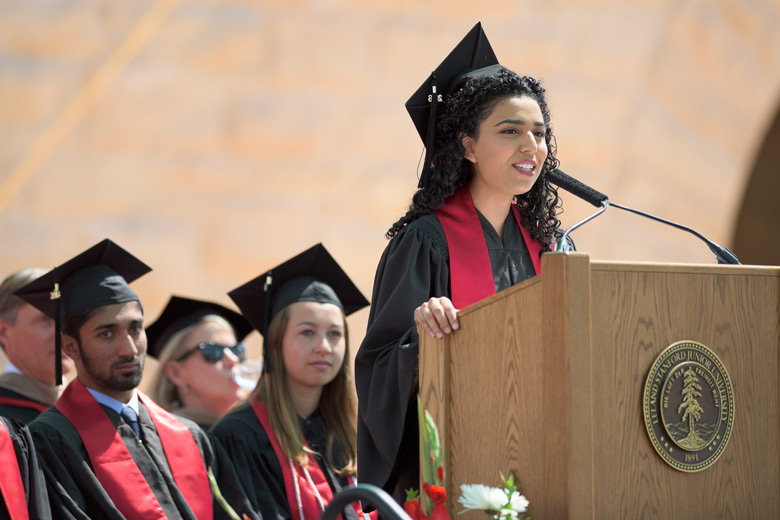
(577, 188)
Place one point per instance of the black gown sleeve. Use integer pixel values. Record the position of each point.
(32, 475)
(246, 444)
(230, 486)
(414, 267)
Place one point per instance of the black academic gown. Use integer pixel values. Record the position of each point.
(23, 398)
(414, 268)
(248, 446)
(76, 493)
(30, 471)
(18, 406)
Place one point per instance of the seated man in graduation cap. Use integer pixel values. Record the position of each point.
(107, 450)
(22, 488)
(27, 339)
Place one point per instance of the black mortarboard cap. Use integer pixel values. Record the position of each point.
(310, 276)
(181, 312)
(473, 52)
(97, 277)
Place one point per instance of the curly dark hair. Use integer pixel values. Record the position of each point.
(464, 110)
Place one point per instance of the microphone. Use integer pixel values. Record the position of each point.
(598, 199)
(577, 188)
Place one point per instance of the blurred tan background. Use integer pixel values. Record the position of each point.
(214, 139)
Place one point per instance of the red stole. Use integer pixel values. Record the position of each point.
(117, 471)
(471, 277)
(11, 486)
(309, 505)
(22, 403)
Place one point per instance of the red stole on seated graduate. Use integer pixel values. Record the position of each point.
(11, 485)
(22, 403)
(471, 277)
(309, 506)
(117, 471)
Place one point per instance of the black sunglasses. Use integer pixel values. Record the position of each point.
(214, 352)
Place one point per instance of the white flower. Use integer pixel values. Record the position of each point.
(518, 502)
(480, 497)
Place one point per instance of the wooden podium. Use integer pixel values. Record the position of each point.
(545, 380)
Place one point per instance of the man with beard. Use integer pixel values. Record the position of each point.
(108, 451)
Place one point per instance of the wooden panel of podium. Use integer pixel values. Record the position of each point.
(546, 379)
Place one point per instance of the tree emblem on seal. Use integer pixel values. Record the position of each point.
(693, 410)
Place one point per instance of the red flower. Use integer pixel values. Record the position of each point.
(440, 469)
(437, 493)
(440, 512)
(412, 508)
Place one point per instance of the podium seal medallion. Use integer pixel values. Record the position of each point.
(688, 406)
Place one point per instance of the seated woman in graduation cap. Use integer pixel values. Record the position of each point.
(478, 223)
(198, 345)
(294, 442)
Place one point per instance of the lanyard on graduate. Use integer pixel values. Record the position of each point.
(311, 477)
(117, 471)
(471, 277)
(11, 486)
(352, 481)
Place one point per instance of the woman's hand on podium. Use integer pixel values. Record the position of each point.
(438, 316)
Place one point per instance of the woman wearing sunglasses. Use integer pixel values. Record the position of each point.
(198, 346)
(294, 442)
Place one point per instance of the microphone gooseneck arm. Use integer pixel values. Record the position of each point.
(601, 201)
(563, 243)
(723, 255)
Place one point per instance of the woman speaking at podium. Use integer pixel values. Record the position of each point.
(478, 223)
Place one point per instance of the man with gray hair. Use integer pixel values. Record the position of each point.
(27, 339)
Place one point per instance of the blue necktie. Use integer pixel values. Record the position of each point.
(131, 418)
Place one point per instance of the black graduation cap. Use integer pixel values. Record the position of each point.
(97, 277)
(310, 276)
(472, 53)
(182, 312)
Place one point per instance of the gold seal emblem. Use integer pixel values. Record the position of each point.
(688, 406)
